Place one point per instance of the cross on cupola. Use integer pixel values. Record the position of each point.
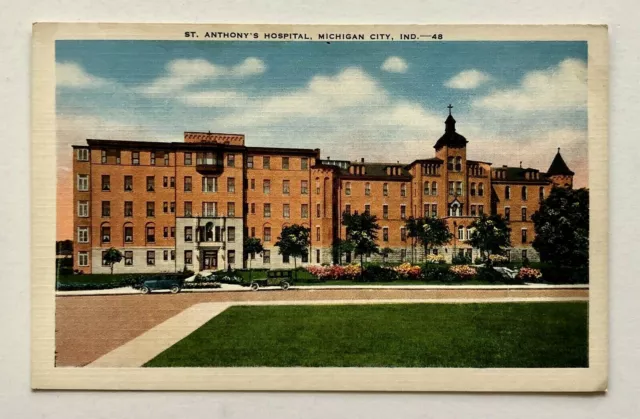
(450, 107)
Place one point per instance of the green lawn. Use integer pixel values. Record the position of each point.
(490, 335)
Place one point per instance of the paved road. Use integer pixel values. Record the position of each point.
(88, 327)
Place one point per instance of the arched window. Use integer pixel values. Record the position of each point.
(426, 188)
(507, 192)
(317, 186)
(105, 233)
(150, 233)
(480, 189)
(128, 232)
(473, 189)
(455, 210)
(524, 193)
(460, 233)
(434, 188)
(208, 232)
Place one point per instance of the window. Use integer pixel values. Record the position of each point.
(128, 234)
(304, 210)
(507, 192)
(267, 234)
(151, 183)
(151, 257)
(385, 234)
(473, 189)
(151, 209)
(304, 163)
(165, 182)
(317, 255)
(403, 189)
(426, 188)
(286, 211)
(480, 189)
(460, 233)
(128, 183)
(253, 234)
(385, 189)
(304, 187)
(285, 187)
(104, 258)
(318, 210)
(83, 208)
(524, 214)
(507, 213)
(152, 156)
(166, 158)
(103, 156)
(524, 193)
(317, 234)
(165, 255)
(403, 234)
(524, 254)
(403, 211)
(541, 194)
(450, 163)
(231, 160)
(266, 162)
(209, 209)
(165, 207)
(187, 159)
(347, 209)
(188, 185)
(151, 234)
(385, 211)
(347, 188)
(249, 162)
(128, 208)
(83, 258)
(209, 184)
(425, 210)
(455, 210)
(266, 186)
(83, 234)
(267, 211)
(458, 164)
(231, 209)
(367, 189)
(458, 188)
(106, 182)
(82, 155)
(173, 232)
(403, 255)
(231, 257)
(285, 163)
(231, 234)
(451, 188)
(188, 257)
(480, 209)
(317, 186)
(266, 256)
(231, 185)
(106, 208)
(434, 188)
(434, 210)
(188, 234)
(305, 257)
(473, 210)
(135, 158)
(172, 182)
(188, 207)
(367, 208)
(83, 182)
(105, 234)
(524, 235)
(253, 208)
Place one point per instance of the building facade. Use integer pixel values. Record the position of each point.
(190, 205)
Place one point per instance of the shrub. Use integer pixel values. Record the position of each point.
(202, 284)
(128, 281)
(478, 261)
(406, 270)
(435, 258)
(498, 260)
(529, 275)
(464, 272)
(434, 272)
(488, 274)
(461, 260)
(565, 275)
(378, 274)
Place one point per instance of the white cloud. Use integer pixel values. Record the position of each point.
(561, 87)
(468, 79)
(70, 74)
(395, 65)
(182, 73)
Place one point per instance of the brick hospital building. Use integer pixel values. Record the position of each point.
(171, 206)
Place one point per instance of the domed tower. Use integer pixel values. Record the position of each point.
(559, 173)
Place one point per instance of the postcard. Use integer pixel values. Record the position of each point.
(319, 208)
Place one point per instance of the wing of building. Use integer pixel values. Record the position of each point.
(190, 205)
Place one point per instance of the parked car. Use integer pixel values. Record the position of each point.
(278, 277)
(173, 284)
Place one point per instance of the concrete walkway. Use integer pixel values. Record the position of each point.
(233, 288)
(150, 344)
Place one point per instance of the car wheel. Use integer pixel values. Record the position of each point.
(285, 285)
(175, 289)
(255, 286)
(145, 290)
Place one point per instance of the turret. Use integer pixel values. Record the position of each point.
(559, 173)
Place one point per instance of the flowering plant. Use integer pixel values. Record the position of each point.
(529, 274)
(463, 271)
(408, 271)
(435, 258)
(334, 272)
(498, 259)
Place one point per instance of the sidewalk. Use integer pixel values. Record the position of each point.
(239, 288)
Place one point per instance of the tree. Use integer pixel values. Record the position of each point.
(294, 241)
(111, 257)
(562, 228)
(491, 234)
(340, 247)
(385, 252)
(252, 245)
(362, 230)
(432, 232)
(64, 247)
(413, 232)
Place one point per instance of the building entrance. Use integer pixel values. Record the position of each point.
(209, 260)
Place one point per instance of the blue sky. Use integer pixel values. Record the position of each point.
(385, 101)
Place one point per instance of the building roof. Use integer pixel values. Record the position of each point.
(377, 171)
(518, 175)
(451, 138)
(559, 167)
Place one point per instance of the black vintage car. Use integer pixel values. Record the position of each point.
(160, 282)
(282, 278)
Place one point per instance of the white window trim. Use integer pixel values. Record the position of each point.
(85, 254)
(86, 204)
(79, 237)
(79, 156)
(82, 176)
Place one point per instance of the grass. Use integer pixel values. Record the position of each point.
(489, 335)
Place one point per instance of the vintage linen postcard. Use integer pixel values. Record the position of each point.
(340, 208)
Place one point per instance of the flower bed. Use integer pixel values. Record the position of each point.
(529, 275)
(435, 258)
(408, 271)
(335, 272)
(463, 272)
